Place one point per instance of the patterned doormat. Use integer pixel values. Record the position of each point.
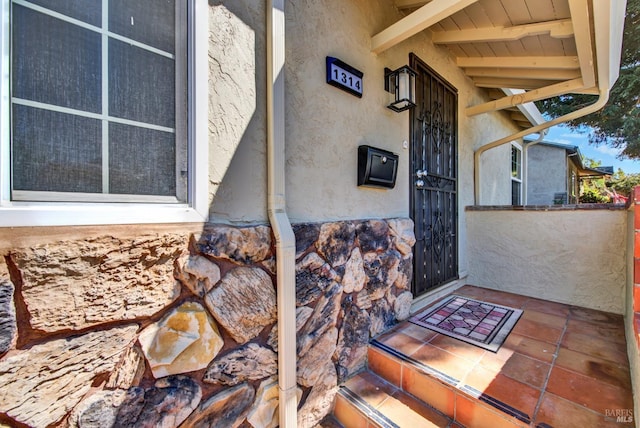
(483, 324)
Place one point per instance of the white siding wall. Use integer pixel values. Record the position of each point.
(547, 174)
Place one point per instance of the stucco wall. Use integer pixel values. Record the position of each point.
(324, 126)
(569, 256)
(495, 177)
(547, 174)
(237, 111)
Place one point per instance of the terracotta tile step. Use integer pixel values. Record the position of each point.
(448, 395)
(367, 400)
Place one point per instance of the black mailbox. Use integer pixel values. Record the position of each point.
(377, 167)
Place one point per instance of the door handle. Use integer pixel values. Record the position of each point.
(421, 173)
(419, 184)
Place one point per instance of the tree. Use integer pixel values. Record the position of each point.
(593, 190)
(618, 123)
(623, 183)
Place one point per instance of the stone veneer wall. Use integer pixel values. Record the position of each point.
(180, 330)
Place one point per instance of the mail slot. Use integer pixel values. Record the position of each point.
(376, 167)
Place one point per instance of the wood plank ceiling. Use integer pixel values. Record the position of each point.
(538, 47)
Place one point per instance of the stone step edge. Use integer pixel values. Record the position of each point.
(369, 412)
(452, 382)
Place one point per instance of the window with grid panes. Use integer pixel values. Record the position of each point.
(516, 175)
(99, 92)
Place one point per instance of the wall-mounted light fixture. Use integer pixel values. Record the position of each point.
(401, 84)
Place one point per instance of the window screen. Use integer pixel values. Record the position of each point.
(516, 176)
(98, 100)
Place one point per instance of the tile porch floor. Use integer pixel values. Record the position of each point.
(562, 366)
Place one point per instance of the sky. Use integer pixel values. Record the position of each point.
(605, 154)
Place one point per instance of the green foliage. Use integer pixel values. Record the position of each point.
(623, 183)
(618, 123)
(592, 195)
(593, 190)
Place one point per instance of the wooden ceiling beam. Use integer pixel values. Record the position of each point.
(529, 73)
(570, 86)
(426, 16)
(559, 29)
(584, 44)
(518, 117)
(539, 62)
(495, 82)
(410, 4)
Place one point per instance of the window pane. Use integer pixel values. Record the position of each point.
(55, 62)
(516, 155)
(141, 85)
(141, 161)
(88, 11)
(55, 152)
(515, 193)
(151, 22)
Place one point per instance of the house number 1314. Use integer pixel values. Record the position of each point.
(343, 76)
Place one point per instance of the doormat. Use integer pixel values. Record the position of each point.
(483, 324)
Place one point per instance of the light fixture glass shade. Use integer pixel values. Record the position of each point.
(401, 84)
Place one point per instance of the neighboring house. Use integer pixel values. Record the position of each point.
(180, 214)
(554, 173)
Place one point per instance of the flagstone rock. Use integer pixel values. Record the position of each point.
(313, 276)
(244, 302)
(353, 340)
(402, 235)
(335, 242)
(323, 318)
(381, 271)
(185, 340)
(99, 410)
(72, 285)
(198, 273)
(247, 245)
(228, 409)
(354, 276)
(250, 362)
(270, 265)
(382, 317)
(373, 235)
(306, 235)
(264, 413)
(42, 383)
(402, 305)
(320, 400)
(8, 323)
(129, 371)
(302, 315)
(165, 405)
(319, 353)
(405, 273)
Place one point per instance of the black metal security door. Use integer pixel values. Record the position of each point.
(434, 140)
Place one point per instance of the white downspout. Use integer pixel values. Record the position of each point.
(276, 207)
(602, 100)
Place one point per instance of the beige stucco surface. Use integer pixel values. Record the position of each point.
(237, 111)
(567, 256)
(324, 125)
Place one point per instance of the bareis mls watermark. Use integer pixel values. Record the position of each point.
(620, 415)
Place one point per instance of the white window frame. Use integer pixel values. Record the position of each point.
(15, 213)
(516, 179)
